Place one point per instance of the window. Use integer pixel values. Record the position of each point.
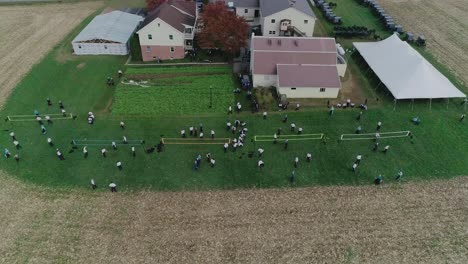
(171, 37)
(322, 90)
(188, 30)
(306, 21)
(272, 32)
(148, 49)
(273, 21)
(79, 46)
(159, 25)
(246, 11)
(150, 36)
(293, 88)
(172, 50)
(105, 46)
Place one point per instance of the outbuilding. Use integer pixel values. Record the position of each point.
(107, 34)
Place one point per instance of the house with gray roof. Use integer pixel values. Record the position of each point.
(107, 34)
(276, 17)
(287, 18)
(168, 31)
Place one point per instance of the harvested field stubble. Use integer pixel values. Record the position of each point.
(411, 223)
(443, 23)
(29, 32)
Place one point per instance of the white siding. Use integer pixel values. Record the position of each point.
(341, 69)
(160, 31)
(100, 49)
(264, 80)
(311, 92)
(250, 15)
(297, 19)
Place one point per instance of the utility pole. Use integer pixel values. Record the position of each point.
(211, 96)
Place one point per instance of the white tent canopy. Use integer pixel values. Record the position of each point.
(406, 73)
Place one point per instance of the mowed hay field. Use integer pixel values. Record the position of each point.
(29, 32)
(407, 223)
(443, 23)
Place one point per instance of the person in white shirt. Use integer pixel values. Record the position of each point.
(64, 113)
(201, 134)
(265, 115)
(122, 125)
(93, 184)
(212, 162)
(182, 133)
(355, 165)
(114, 146)
(296, 162)
(386, 149)
(85, 151)
(261, 164)
(191, 131)
(226, 145)
(12, 135)
(212, 134)
(119, 165)
(299, 130)
(49, 141)
(17, 144)
(379, 125)
(358, 159)
(60, 155)
(230, 110)
(133, 151)
(293, 127)
(124, 139)
(47, 118)
(260, 152)
(309, 157)
(275, 138)
(104, 152)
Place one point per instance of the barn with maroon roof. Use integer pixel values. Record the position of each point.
(297, 67)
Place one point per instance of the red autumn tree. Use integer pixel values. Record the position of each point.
(222, 29)
(152, 4)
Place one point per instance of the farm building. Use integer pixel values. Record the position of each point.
(405, 72)
(168, 31)
(297, 67)
(278, 17)
(107, 34)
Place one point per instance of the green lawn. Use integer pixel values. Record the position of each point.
(440, 148)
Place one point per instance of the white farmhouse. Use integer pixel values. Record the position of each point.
(168, 31)
(287, 18)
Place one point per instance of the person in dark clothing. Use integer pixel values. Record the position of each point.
(49, 103)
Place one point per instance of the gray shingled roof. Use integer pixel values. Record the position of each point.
(116, 26)
(169, 13)
(269, 7)
(246, 3)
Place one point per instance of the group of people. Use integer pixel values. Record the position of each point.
(91, 118)
(194, 132)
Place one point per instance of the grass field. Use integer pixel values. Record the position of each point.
(170, 91)
(80, 84)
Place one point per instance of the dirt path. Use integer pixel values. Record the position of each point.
(412, 223)
(29, 33)
(445, 25)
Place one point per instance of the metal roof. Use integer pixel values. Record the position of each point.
(269, 7)
(116, 26)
